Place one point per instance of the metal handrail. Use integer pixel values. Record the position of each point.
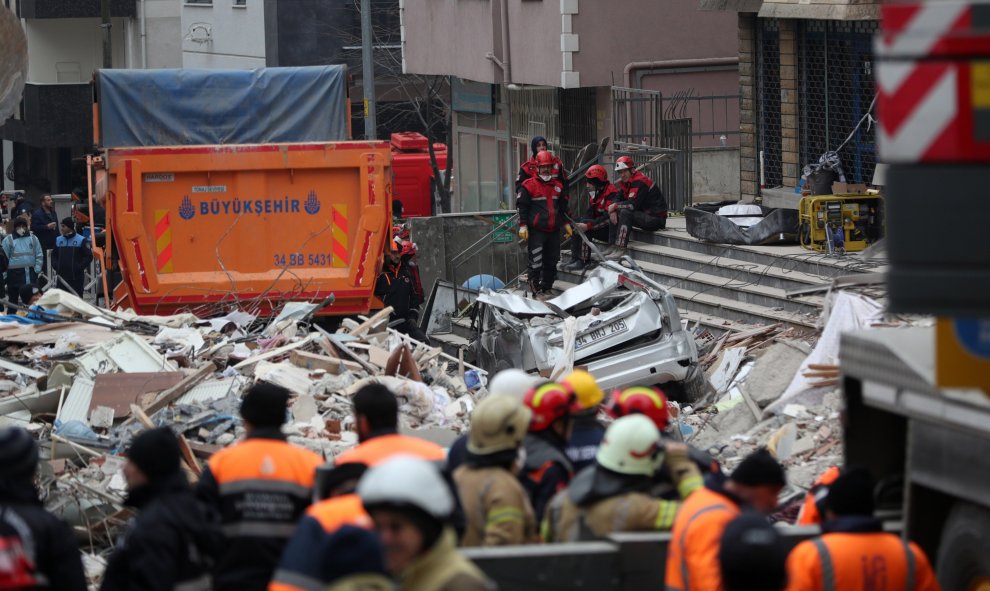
(468, 252)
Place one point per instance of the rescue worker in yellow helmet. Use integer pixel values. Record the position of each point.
(613, 495)
(496, 506)
(587, 432)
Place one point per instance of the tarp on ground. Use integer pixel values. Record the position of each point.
(771, 226)
(172, 107)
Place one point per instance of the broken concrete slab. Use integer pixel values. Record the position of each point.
(120, 390)
(772, 373)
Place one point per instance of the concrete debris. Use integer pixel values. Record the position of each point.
(85, 390)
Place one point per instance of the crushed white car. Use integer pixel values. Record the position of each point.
(618, 324)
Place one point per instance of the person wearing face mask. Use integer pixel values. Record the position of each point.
(542, 205)
(594, 224)
(496, 506)
(528, 170)
(25, 258)
(71, 257)
(643, 207)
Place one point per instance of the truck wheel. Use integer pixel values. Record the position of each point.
(964, 551)
(691, 389)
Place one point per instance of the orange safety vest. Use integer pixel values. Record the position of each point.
(692, 556)
(811, 511)
(300, 570)
(839, 561)
(378, 449)
(256, 479)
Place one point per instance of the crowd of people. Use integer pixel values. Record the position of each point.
(613, 210)
(31, 236)
(393, 511)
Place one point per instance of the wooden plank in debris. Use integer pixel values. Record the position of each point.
(742, 336)
(329, 364)
(378, 356)
(24, 371)
(275, 352)
(175, 392)
(346, 351)
(375, 319)
(120, 390)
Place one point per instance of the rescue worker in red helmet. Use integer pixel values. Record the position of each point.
(594, 223)
(542, 205)
(613, 495)
(396, 286)
(547, 469)
(644, 207)
(529, 170)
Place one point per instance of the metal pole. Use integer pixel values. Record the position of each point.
(367, 73)
(105, 25)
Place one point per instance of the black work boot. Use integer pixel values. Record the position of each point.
(575, 266)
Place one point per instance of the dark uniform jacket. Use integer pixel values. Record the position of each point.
(261, 487)
(169, 545)
(71, 257)
(548, 470)
(39, 549)
(641, 194)
(542, 204)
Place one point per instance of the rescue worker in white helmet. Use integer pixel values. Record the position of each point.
(613, 495)
(411, 505)
(496, 506)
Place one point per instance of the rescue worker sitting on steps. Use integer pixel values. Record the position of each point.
(644, 207)
(411, 506)
(260, 486)
(595, 222)
(692, 556)
(497, 508)
(548, 469)
(542, 205)
(613, 495)
(853, 551)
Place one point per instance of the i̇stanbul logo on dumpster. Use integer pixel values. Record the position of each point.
(217, 206)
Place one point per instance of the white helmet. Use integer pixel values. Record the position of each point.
(514, 382)
(498, 423)
(631, 446)
(407, 481)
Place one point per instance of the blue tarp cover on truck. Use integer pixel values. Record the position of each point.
(192, 107)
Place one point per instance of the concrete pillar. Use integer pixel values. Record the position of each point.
(789, 149)
(748, 183)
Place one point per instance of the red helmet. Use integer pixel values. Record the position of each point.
(643, 400)
(597, 172)
(408, 248)
(549, 402)
(624, 163)
(545, 158)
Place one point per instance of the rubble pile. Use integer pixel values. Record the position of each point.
(86, 384)
(779, 388)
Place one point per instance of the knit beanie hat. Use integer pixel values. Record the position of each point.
(69, 223)
(752, 555)
(156, 453)
(351, 550)
(537, 139)
(851, 493)
(18, 454)
(759, 469)
(19, 221)
(265, 404)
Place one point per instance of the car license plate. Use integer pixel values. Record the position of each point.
(600, 333)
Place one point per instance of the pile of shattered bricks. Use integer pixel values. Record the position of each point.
(85, 382)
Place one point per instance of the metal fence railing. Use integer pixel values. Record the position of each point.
(769, 156)
(714, 118)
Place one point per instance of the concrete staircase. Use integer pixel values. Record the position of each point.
(724, 287)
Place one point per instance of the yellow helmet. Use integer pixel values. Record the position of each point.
(583, 384)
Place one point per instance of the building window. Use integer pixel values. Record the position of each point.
(837, 90)
(199, 2)
(240, 3)
(769, 168)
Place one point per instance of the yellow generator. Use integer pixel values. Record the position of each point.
(840, 223)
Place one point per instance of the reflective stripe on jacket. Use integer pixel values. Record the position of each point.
(261, 487)
(496, 507)
(840, 561)
(692, 556)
